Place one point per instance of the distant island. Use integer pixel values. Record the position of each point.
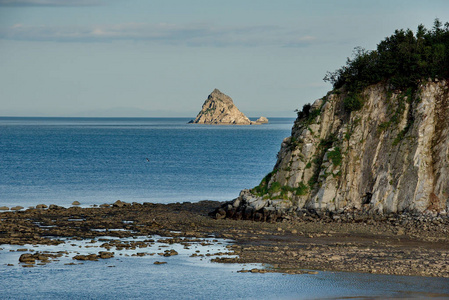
(219, 109)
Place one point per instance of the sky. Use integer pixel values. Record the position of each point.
(162, 58)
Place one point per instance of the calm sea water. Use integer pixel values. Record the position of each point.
(93, 161)
(59, 160)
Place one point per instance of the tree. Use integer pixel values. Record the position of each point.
(403, 59)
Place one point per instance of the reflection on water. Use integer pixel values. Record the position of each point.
(132, 273)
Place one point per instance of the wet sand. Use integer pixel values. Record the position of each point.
(393, 244)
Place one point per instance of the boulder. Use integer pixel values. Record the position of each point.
(105, 254)
(168, 253)
(120, 203)
(27, 258)
(55, 207)
(86, 257)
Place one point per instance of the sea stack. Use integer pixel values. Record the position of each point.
(219, 109)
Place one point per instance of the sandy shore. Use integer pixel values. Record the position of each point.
(391, 245)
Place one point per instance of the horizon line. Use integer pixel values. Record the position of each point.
(121, 117)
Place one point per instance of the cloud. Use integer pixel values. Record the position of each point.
(195, 34)
(301, 41)
(50, 2)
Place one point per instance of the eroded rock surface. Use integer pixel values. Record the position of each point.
(392, 155)
(219, 109)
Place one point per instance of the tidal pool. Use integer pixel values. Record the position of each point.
(188, 275)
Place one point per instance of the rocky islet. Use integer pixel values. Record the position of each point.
(219, 109)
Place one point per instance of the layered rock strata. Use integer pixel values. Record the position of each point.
(219, 109)
(390, 156)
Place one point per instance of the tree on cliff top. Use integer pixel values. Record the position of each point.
(402, 59)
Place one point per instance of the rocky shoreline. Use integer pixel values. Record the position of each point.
(350, 240)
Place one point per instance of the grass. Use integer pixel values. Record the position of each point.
(335, 156)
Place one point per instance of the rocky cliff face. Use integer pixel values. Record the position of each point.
(392, 155)
(220, 109)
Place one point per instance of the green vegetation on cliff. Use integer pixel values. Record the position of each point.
(275, 188)
(389, 82)
(402, 59)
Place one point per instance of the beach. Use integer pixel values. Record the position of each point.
(392, 244)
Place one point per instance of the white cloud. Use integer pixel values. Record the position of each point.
(195, 34)
(50, 2)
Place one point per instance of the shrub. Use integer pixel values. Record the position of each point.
(301, 190)
(274, 188)
(353, 102)
(403, 59)
(304, 113)
(335, 156)
(262, 188)
(383, 126)
(307, 114)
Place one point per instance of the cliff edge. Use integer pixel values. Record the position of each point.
(377, 144)
(219, 109)
(391, 154)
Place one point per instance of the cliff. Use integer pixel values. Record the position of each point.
(219, 109)
(391, 154)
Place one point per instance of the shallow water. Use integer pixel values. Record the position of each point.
(185, 277)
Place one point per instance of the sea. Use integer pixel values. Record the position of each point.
(161, 160)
